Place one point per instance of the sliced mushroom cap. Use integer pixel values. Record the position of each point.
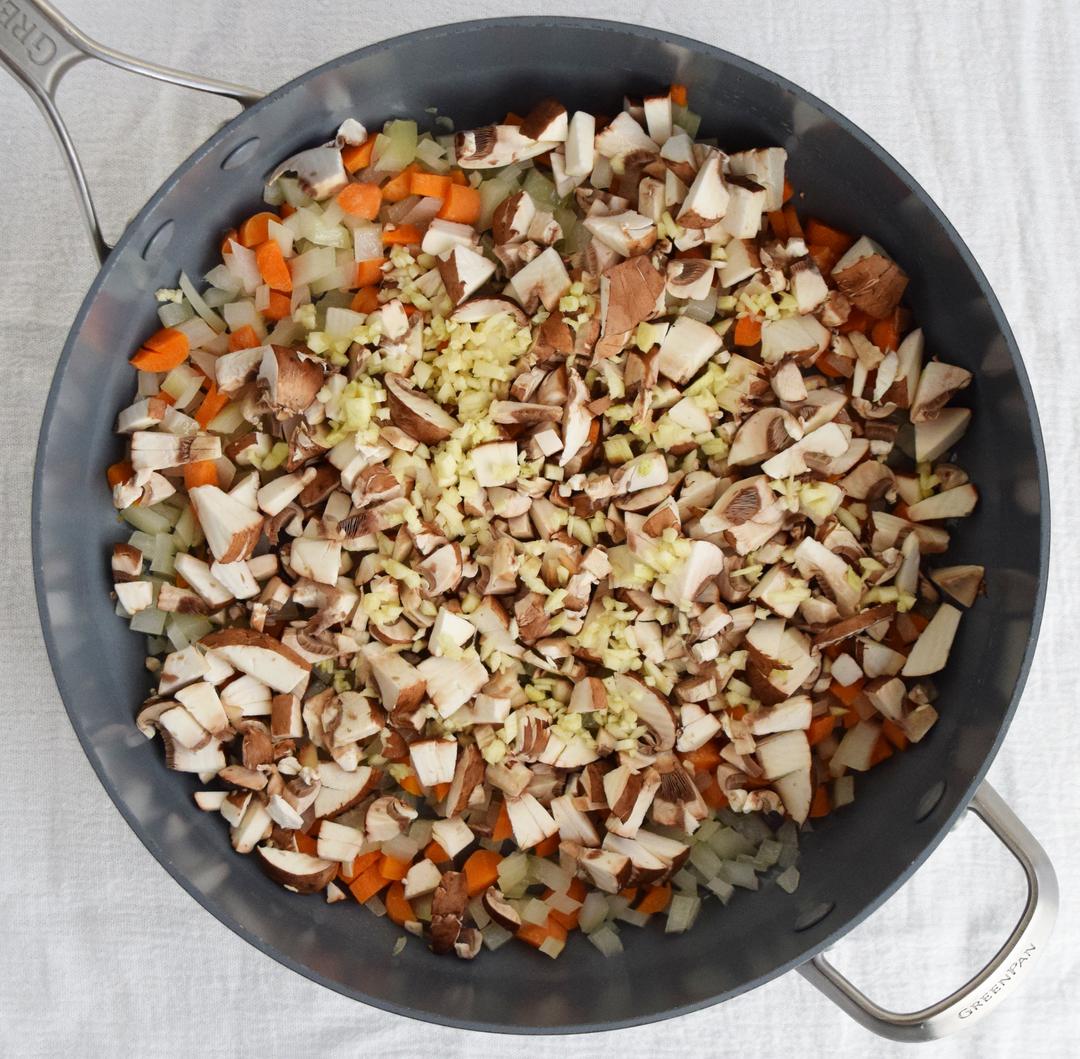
(416, 413)
(299, 871)
(292, 380)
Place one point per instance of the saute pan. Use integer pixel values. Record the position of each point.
(851, 862)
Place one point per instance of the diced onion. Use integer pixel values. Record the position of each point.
(172, 313)
(495, 936)
(682, 912)
(313, 264)
(788, 880)
(240, 261)
(198, 332)
(607, 941)
(367, 241)
(199, 305)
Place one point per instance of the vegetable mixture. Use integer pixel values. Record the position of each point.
(530, 524)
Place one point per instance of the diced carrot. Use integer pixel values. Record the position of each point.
(850, 719)
(824, 257)
(820, 728)
(512, 118)
(892, 732)
(280, 306)
(820, 805)
(481, 870)
(162, 351)
(212, 404)
(713, 796)
(577, 891)
(305, 843)
(630, 893)
(393, 867)
(918, 620)
(826, 368)
(180, 582)
(747, 331)
(397, 188)
(286, 209)
(168, 398)
(705, 758)
(535, 934)
(369, 271)
(789, 191)
(411, 784)
(361, 200)
(442, 790)
(547, 847)
(569, 920)
(201, 472)
(778, 224)
(119, 472)
(368, 883)
(256, 229)
(401, 235)
(272, 266)
(656, 899)
(885, 334)
(502, 829)
(230, 235)
(458, 177)
(738, 712)
(791, 222)
(857, 321)
(882, 750)
(398, 909)
(359, 864)
(461, 203)
(429, 185)
(366, 300)
(847, 693)
(354, 158)
(822, 234)
(901, 510)
(243, 338)
(435, 853)
(678, 95)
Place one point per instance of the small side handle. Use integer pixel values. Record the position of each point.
(38, 45)
(998, 979)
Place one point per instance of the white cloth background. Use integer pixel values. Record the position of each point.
(101, 952)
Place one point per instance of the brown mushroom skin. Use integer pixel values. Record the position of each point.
(304, 884)
(447, 911)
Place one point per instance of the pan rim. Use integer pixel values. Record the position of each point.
(69, 695)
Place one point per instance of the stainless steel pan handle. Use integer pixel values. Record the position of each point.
(38, 45)
(997, 979)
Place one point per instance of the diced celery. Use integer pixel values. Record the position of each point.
(164, 550)
(541, 190)
(147, 520)
(396, 147)
(177, 637)
(228, 419)
(150, 621)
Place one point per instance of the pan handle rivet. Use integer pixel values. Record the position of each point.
(241, 154)
(810, 917)
(160, 239)
(929, 801)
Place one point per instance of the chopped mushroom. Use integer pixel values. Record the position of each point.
(535, 541)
